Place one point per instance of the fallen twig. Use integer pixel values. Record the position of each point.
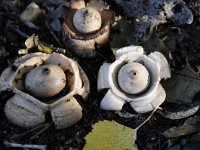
(53, 34)
(148, 118)
(46, 127)
(30, 146)
(15, 28)
(40, 128)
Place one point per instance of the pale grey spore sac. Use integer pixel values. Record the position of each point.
(150, 13)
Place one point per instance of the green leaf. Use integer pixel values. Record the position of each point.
(160, 43)
(42, 47)
(183, 85)
(110, 135)
(123, 35)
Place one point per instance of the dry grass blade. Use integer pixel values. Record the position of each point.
(45, 128)
(41, 129)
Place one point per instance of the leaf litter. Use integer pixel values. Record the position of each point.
(183, 86)
(180, 111)
(21, 32)
(111, 135)
(191, 125)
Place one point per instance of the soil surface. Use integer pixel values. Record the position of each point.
(13, 32)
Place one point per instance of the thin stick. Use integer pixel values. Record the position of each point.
(15, 28)
(53, 34)
(41, 131)
(30, 146)
(99, 54)
(148, 118)
(29, 131)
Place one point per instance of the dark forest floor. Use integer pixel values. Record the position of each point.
(148, 136)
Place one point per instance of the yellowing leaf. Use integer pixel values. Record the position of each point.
(110, 135)
(42, 47)
(31, 41)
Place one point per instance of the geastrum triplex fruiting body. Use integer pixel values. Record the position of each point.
(44, 83)
(87, 25)
(135, 78)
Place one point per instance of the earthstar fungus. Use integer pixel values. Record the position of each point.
(85, 25)
(44, 83)
(135, 78)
